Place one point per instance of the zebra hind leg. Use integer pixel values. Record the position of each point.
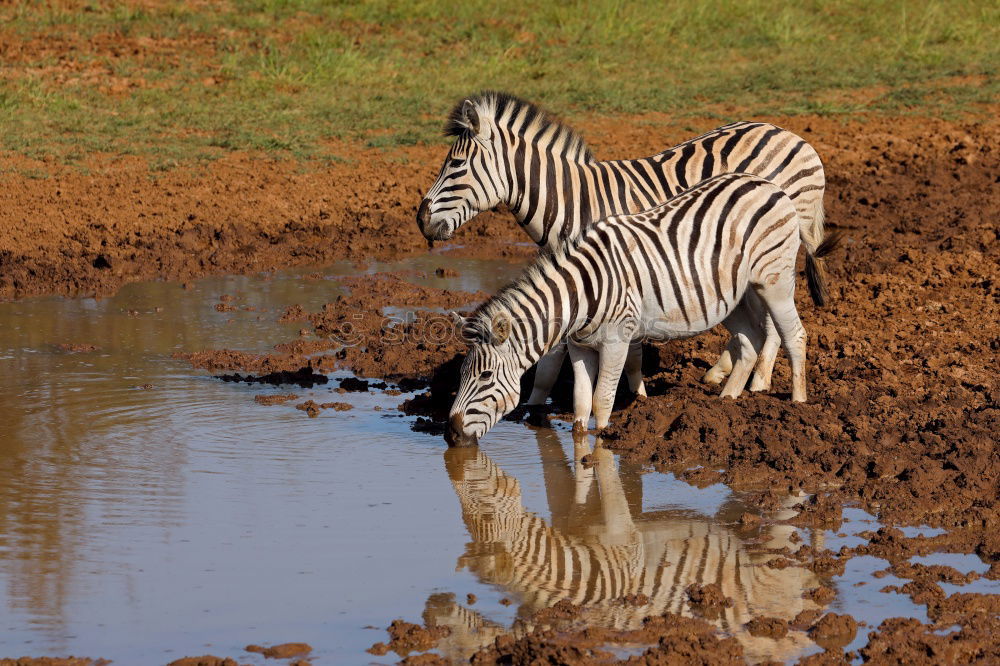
(749, 339)
(778, 293)
(772, 342)
(633, 369)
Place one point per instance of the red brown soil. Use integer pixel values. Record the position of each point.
(76, 233)
(834, 630)
(282, 651)
(904, 399)
(312, 408)
(406, 637)
(77, 347)
(269, 400)
(207, 660)
(708, 596)
(55, 661)
(675, 640)
(770, 627)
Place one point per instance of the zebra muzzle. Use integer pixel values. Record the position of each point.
(454, 432)
(424, 216)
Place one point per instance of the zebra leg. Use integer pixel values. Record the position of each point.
(584, 362)
(749, 339)
(633, 369)
(584, 473)
(772, 342)
(723, 366)
(546, 373)
(613, 356)
(778, 293)
(619, 528)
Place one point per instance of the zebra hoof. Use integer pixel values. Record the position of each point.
(714, 376)
(758, 383)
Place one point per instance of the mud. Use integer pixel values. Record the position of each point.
(313, 408)
(206, 660)
(904, 401)
(54, 661)
(77, 347)
(406, 637)
(675, 639)
(282, 651)
(274, 399)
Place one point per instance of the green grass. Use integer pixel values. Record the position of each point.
(288, 75)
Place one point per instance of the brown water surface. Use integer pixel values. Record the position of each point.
(148, 511)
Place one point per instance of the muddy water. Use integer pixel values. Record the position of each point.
(148, 511)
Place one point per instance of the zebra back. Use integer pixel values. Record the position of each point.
(517, 154)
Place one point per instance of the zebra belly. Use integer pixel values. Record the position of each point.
(657, 323)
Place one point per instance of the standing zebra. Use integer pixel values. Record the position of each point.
(509, 151)
(669, 272)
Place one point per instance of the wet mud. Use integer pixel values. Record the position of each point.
(904, 405)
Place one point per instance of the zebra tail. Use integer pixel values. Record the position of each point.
(816, 272)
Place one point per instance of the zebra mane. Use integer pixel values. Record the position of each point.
(479, 324)
(502, 107)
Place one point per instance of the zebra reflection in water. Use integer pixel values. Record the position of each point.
(599, 546)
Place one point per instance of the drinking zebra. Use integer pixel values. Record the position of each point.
(509, 151)
(600, 546)
(669, 272)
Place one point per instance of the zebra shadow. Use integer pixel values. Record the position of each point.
(599, 547)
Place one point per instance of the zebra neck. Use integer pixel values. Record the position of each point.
(556, 198)
(548, 308)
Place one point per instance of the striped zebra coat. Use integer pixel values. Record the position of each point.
(671, 271)
(597, 550)
(509, 151)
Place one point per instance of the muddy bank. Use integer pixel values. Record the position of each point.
(904, 403)
(73, 231)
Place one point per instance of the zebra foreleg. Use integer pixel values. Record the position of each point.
(584, 473)
(613, 356)
(585, 362)
(749, 339)
(546, 373)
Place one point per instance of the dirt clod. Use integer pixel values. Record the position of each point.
(834, 630)
(281, 651)
(274, 399)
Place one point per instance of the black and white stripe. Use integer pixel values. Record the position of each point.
(509, 151)
(671, 271)
(610, 551)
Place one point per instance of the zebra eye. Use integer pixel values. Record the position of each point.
(455, 162)
(486, 375)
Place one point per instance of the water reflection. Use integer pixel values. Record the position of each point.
(600, 546)
(124, 474)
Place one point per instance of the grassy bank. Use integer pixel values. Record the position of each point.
(183, 81)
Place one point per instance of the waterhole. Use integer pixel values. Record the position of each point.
(149, 511)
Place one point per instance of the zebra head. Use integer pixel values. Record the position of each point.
(490, 379)
(469, 181)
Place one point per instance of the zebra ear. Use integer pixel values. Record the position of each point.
(501, 328)
(457, 318)
(470, 116)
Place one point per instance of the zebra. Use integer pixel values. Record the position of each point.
(509, 151)
(602, 547)
(668, 272)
